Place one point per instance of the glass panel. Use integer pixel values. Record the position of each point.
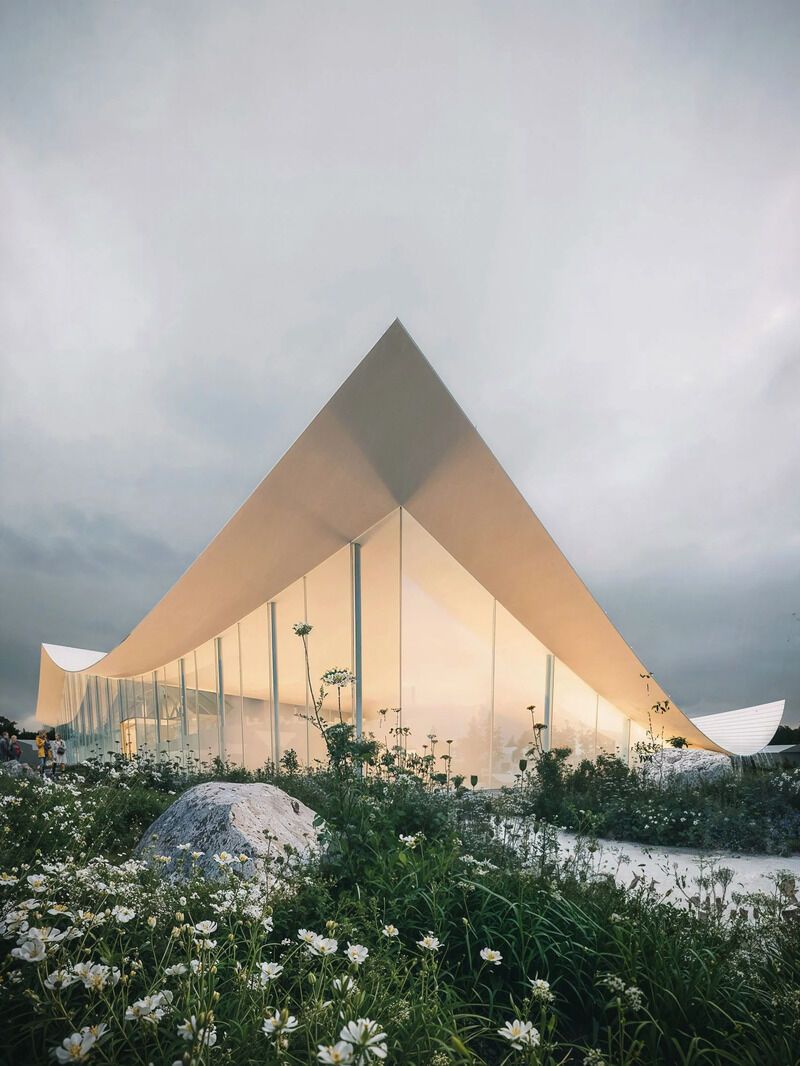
(447, 655)
(171, 709)
(329, 610)
(206, 681)
(380, 627)
(638, 735)
(612, 729)
(234, 728)
(520, 668)
(192, 714)
(290, 607)
(574, 714)
(254, 644)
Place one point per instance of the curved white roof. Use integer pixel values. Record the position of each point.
(745, 731)
(391, 436)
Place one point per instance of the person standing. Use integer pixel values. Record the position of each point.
(5, 748)
(60, 754)
(14, 749)
(41, 750)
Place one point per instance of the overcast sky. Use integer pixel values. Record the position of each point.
(588, 216)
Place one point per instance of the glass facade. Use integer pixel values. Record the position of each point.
(447, 673)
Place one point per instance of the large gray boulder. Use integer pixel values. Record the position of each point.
(228, 820)
(688, 764)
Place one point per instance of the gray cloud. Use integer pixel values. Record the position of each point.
(587, 216)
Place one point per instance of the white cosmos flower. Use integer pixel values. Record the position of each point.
(96, 976)
(176, 969)
(60, 979)
(8, 879)
(520, 1034)
(429, 943)
(224, 858)
(192, 1029)
(150, 1008)
(306, 936)
(491, 956)
(357, 954)
(38, 882)
(390, 931)
(123, 914)
(205, 928)
(75, 1048)
(270, 970)
(366, 1038)
(279, 1022)
(344, 985)
(323, 945)
(338, 1053)
(30, 951)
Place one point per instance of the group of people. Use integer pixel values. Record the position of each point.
(51, 755)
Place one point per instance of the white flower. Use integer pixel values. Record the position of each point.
(30, 951)
(390, 931)
(268, 923)
(366, 1039)
(200, 1030)
(123, 914)
(491, 956)
(306, 936)
(96, 976)
(357, 954)
(224, 858)
(279, 1022)
(8, 879)
(323, 945)
(429, 943)
(270, 971)
(205, 928)
(345, 985)
(60, 979)
(520, 1034)
(150, 1008)
(540, 991)
(337, 1053)
(75, 1048)
(38, 882)
(176, 969)
(411, 839)
(182, 847)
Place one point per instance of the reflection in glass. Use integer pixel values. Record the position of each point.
(290, 607)
(254, 644)
(447, 655)
(380, 627)
(232, 695)
(612, 728)
(574, 714)
(520, 668)
(329, 610)
(206, 682)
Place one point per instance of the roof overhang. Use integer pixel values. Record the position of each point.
(391, 436)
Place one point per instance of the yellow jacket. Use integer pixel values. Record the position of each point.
(40, 748)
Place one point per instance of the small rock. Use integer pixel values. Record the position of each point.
(259, 821)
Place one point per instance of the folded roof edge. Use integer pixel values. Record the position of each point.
(392, 435)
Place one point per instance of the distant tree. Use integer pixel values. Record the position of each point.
(786, 734)
(7, 725)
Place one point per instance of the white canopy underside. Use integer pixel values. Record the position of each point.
(391, 436)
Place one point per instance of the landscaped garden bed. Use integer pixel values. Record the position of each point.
(417, 936)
